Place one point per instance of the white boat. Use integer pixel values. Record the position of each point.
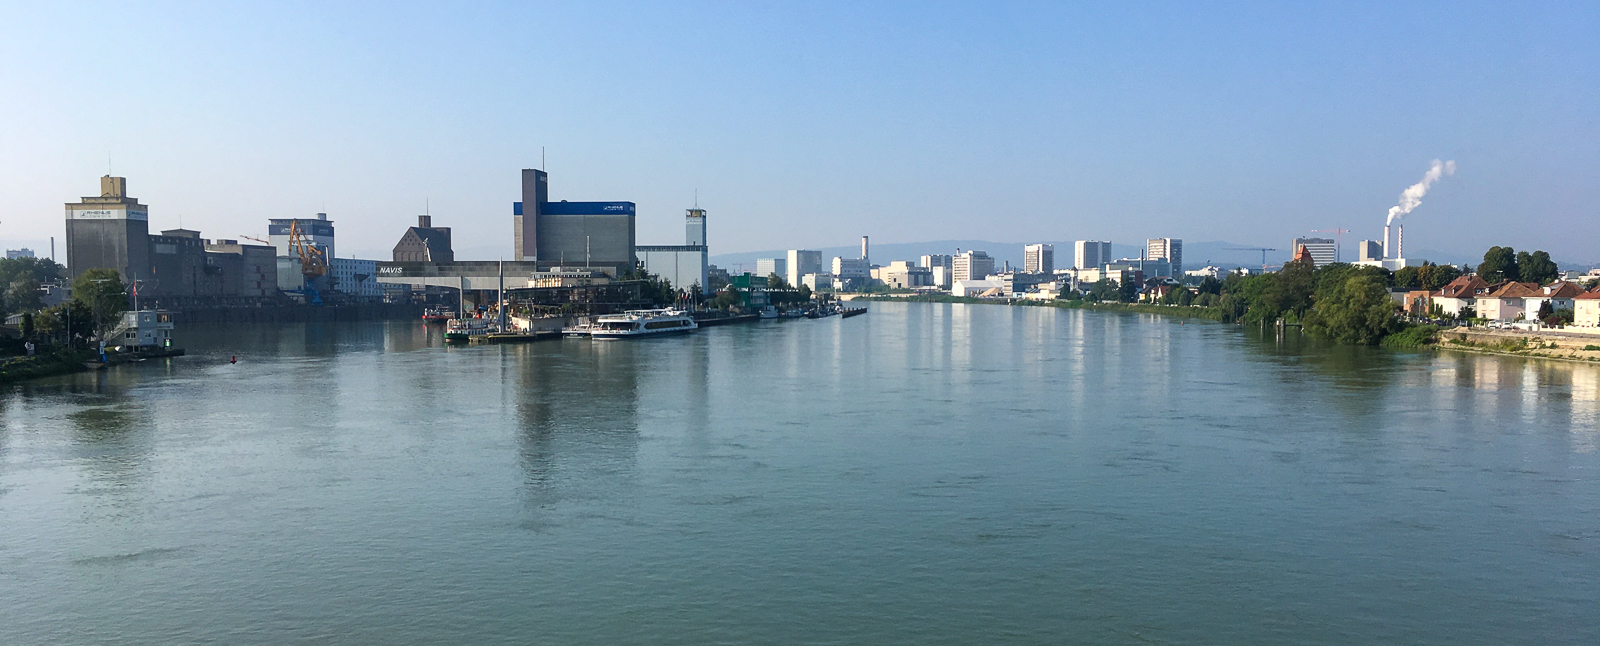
(461, 329)
(581, 329)
(633, 323)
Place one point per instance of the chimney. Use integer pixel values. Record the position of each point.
(1400, 241)
(864, 255)
(1386, 247)
(424, 222)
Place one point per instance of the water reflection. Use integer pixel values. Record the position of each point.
(577, 407)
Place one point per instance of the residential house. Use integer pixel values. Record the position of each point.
(1586, 309)
(1559, 294)
(1509, 302)
(1460, 294)
(1418, 302)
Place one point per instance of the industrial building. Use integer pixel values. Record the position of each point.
(1039, 259)
(1090, 254)
(574, 234)
(684, 265)
(1369, 251)
(1324, 251)
(1168, 249)
(424, 243)
(109, 231)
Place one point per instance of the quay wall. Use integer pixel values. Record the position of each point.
(297, 313)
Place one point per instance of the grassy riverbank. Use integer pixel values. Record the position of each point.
(14, 369)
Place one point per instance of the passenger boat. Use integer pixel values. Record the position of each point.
(635, 323)
(437, 315)
(848, 312)
(459, 330)
(581, 329)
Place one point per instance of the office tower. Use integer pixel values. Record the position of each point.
(1168, 249)
(971, 265)
(768, 266)
(1090, 254)
(1039, 259)
(801, 262)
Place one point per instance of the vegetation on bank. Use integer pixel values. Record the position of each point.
(60, 361)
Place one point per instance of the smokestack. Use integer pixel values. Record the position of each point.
(1386, 246)
(1400, 241)
(864, 255)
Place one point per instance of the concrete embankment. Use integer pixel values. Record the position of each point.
(297, 313)
(1550, 344)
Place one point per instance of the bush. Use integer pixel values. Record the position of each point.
(1592, 347)
(1415, 336)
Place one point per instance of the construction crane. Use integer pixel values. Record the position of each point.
(265, 242)
(1263, 251)
(1338, 240)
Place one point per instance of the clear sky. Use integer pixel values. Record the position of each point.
(807, 125)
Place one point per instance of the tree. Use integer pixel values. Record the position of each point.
(23, 295)
(1359, 312)
(774, 281)
(1499, 264)
(1537, 267)
(1408, 277)
(1104, 290)
(1128, 291)
(1290, 289)
(102, 294)
(805, 293)
(1209, 285)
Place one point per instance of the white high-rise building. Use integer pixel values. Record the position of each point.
(1323, 250)
(1090, 254)
(1039, 259)
(768, 266)
(971, 265)
(1168, 249)
(801, 262)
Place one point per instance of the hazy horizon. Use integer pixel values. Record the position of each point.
(806, 126)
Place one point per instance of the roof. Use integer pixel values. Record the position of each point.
(1463, 286)
(434, 238)
(1517, 290)
(1562, 290)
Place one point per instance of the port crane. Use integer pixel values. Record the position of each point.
(1338, 240)
(1263, 251)
(265, 242)
(313, 262)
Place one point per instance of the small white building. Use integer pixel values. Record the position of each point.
(142, 329)
(817, 282)
(973, 288)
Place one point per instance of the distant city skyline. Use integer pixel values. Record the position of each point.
(799, 127)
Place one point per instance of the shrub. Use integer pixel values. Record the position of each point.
(1415, 336)
(1592, 347)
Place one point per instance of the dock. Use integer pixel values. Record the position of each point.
(495, 338)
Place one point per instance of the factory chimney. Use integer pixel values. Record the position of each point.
(1386, 246)
(864, 255)
(1400, 241)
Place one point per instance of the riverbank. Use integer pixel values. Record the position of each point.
(1520, 344)
(15, 369)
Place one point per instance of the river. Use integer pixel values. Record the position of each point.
(924, 474)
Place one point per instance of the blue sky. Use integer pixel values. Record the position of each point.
(809, 125)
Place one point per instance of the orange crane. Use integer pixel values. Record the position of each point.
(1338, 237)
(313, 260)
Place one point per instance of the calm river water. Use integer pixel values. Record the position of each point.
(923, 474)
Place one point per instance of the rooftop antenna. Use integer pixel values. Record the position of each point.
(697, 198)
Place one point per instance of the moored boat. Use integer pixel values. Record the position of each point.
(459, 330)
(636, 323)
(437, 315)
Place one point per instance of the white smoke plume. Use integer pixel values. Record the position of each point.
(1412, 197)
